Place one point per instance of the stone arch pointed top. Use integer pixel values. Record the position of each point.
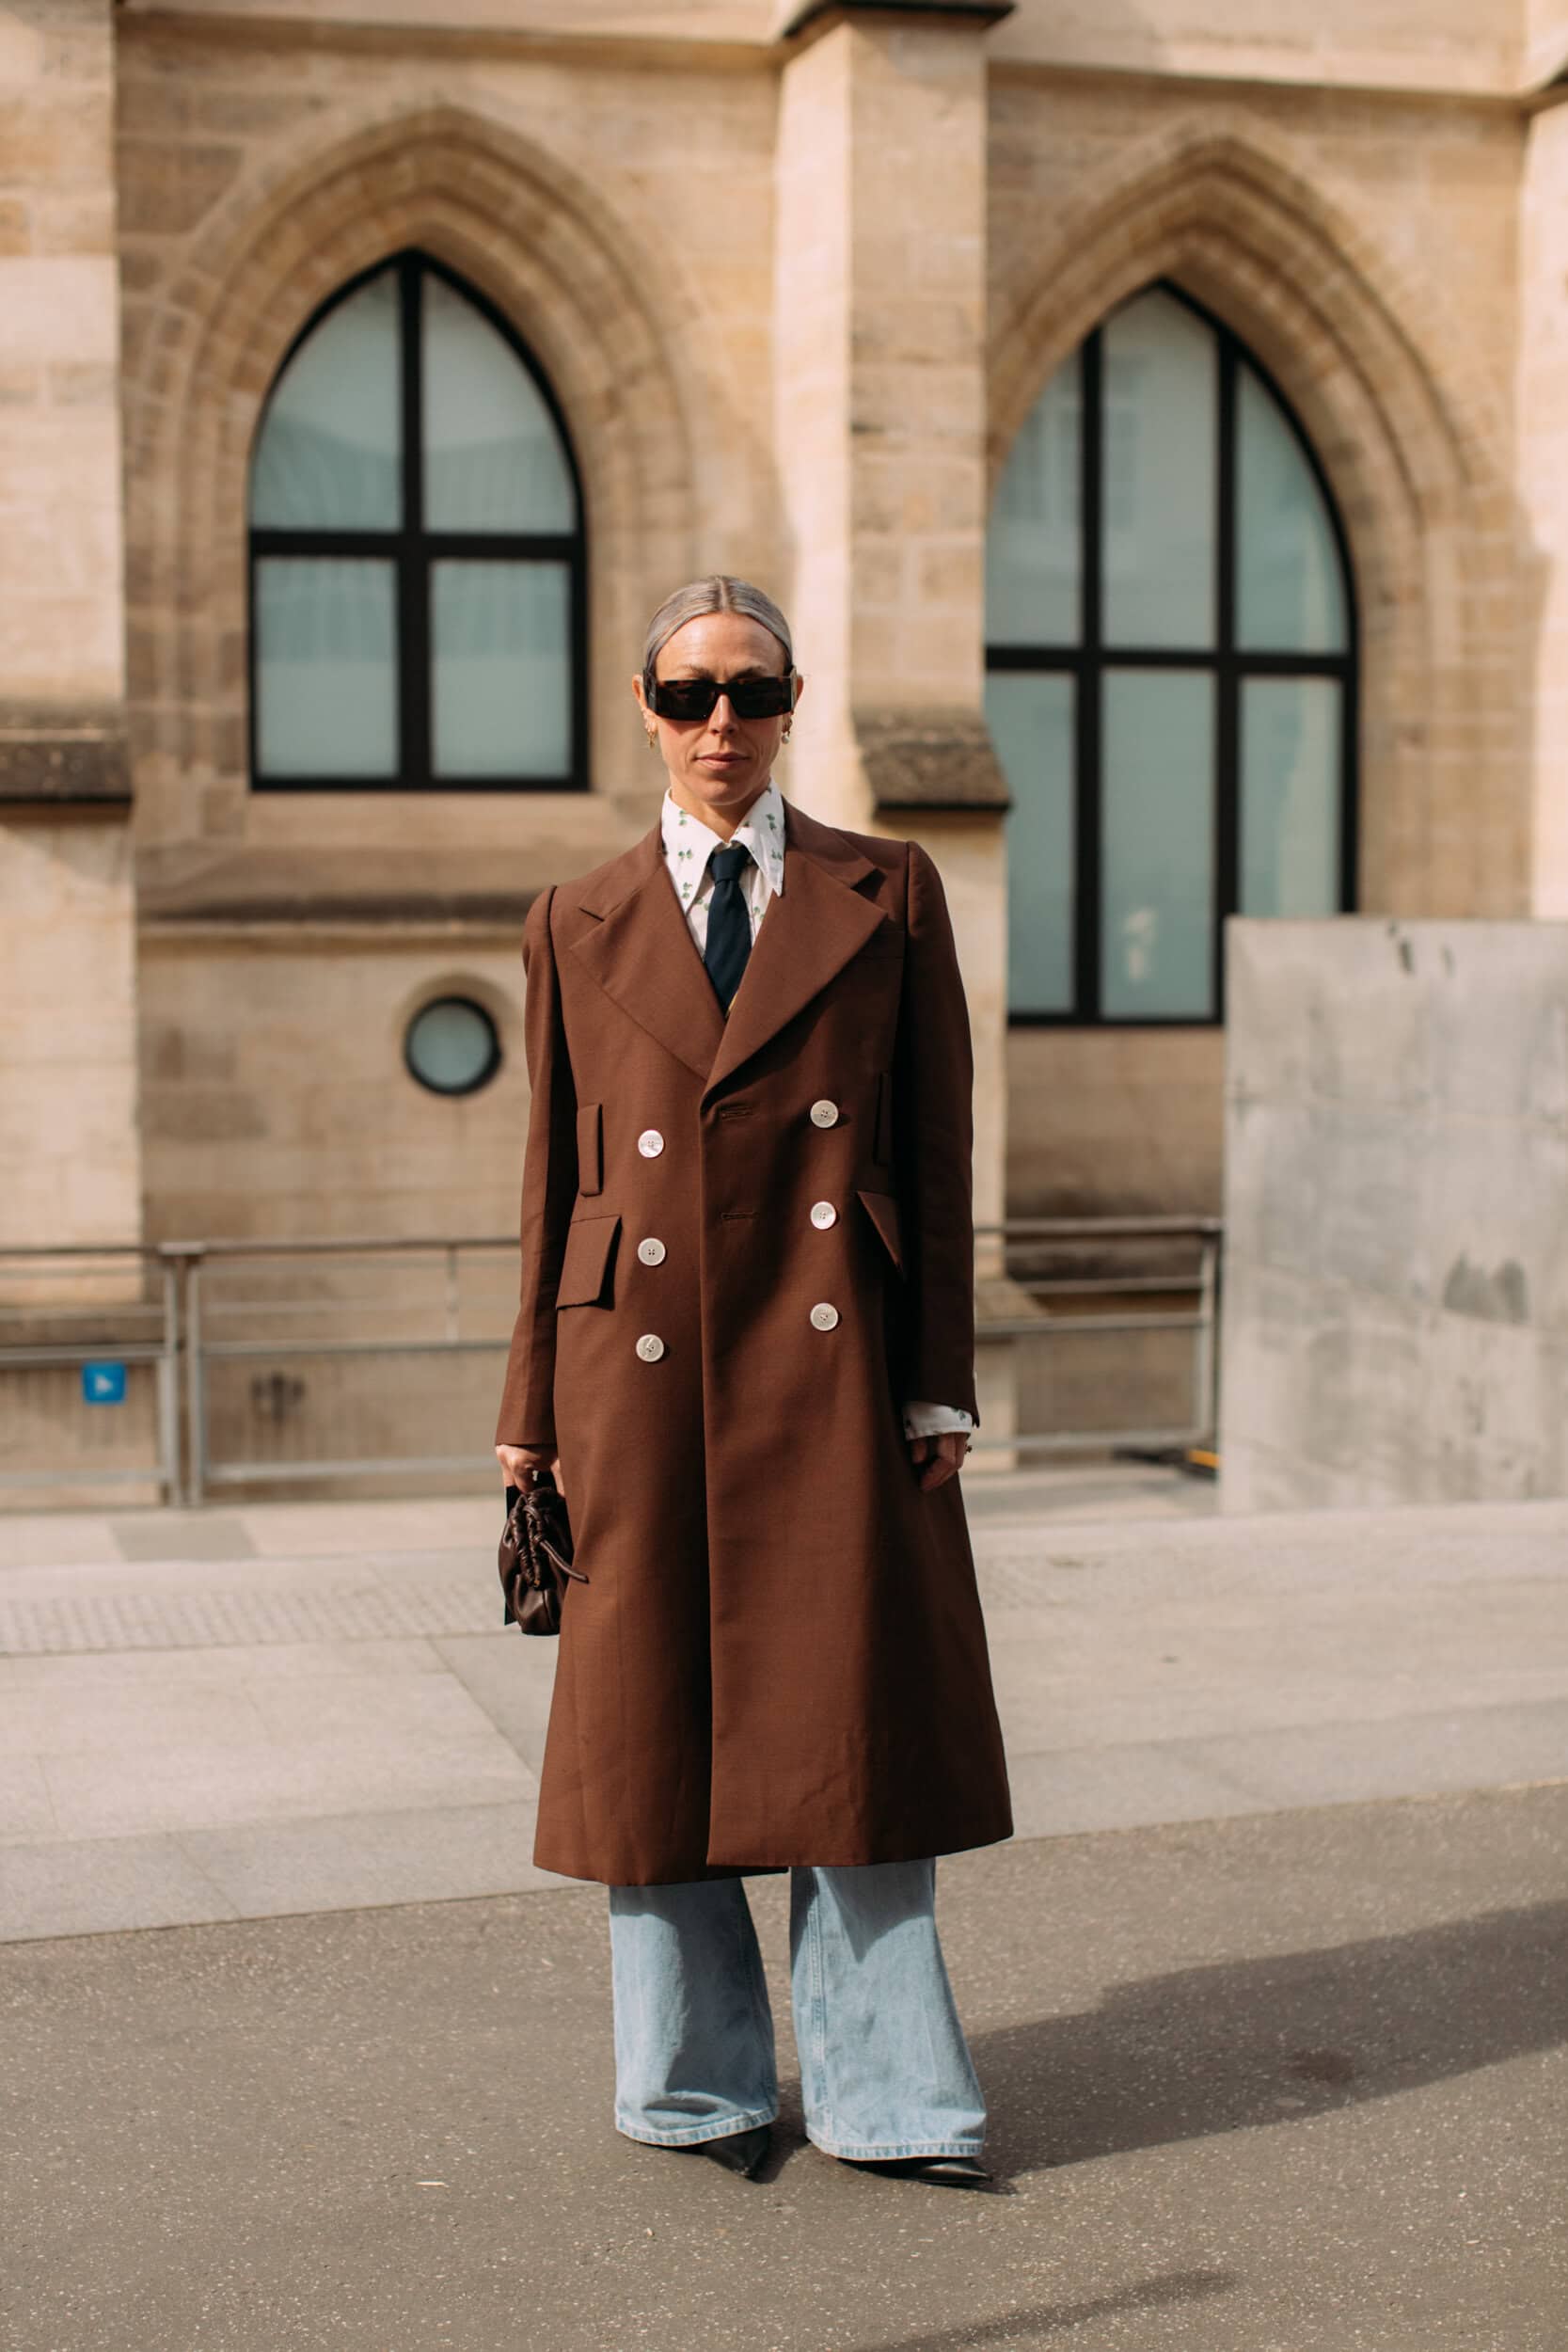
(658, 445)
(1269, 252)
(477, 192)
(1411, 431)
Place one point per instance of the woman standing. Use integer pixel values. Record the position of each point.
(746, 1341)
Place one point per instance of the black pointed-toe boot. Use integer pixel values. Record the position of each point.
(738, 2152)
(946, 2171)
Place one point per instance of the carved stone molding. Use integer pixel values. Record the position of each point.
(820, 16)
(53, 758)
(937, 759)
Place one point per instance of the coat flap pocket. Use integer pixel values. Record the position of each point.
(585, 1265)
(882, 1209)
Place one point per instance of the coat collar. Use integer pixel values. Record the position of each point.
(640, 951)
(687, 842)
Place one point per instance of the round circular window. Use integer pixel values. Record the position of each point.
(452, 1046)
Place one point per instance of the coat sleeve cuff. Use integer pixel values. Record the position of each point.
(932, 1420)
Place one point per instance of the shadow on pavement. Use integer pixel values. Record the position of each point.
(1044, 2319)
(1220, 2049)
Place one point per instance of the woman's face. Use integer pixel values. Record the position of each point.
(718, 765)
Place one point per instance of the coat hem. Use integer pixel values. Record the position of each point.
(730, 1865)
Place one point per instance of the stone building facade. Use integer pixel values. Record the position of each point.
(795, 278)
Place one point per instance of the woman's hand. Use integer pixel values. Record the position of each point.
(938, 1459)
(520, 1464)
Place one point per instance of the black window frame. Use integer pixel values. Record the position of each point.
(1087, 661)
(412, 549)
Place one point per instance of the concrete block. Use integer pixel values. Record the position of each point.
(1396, 1289)
(351, 1862)
(65, 1887)
(26, 1811)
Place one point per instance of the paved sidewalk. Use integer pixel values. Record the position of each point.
(293, 1709)
(1267, 1996)
(1288, 2084)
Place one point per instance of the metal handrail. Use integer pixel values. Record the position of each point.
(185, 1343)
(163, 1353)
(1012, 1227)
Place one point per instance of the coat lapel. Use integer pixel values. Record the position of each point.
(646, 959)
(808, 935)
(638, 948)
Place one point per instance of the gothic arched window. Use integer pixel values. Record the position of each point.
(1171, 671)
(416, 577)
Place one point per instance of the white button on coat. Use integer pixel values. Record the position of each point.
(824, 1114)
(824, 1316)
(651, 1251)
(650, 1347)
(650, 1143)
(823, 1214)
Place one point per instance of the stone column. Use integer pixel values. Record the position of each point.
(880, 414)
(70, 1161)
(1544, 486)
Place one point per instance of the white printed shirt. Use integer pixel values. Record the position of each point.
(688, 846)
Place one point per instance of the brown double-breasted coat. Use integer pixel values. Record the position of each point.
(779, 1655)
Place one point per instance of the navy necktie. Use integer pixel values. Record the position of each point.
(729, 923)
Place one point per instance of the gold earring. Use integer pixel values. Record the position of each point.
(653, 740)
(786, 730)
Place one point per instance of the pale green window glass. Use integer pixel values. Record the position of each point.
(1033, 548)
(1160, 425)
(329, 454)
(501, 671)
(327, 699)
(1290, 771)
(1156, 845)
(1032, 723)
(1289, 584)
(450, 1046)
(493, 458)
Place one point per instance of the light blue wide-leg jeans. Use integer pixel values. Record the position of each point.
(884, 2067)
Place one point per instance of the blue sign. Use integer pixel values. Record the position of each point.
(102, 1384)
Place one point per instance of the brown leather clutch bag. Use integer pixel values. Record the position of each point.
(535, 1556)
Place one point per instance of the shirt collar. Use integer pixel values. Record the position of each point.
(687, 842)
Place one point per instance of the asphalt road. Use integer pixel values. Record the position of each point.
(1282, 2083)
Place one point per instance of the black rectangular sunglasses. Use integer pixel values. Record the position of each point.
(695, 697)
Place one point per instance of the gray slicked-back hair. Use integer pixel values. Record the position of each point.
(719, 592)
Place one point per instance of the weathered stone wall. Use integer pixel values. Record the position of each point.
(68, 1154)
(277, 1099)
(1365, 248)
(877, 340)
(716, 250)
(1125, 1123)
(1438, 45)
(1442, 45)
(1396, 1287)
(1543, 43)
(69, 1162)
(59, 452)
(1544, 480)
(618, 210)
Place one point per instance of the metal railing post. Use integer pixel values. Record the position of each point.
(188, 1256)
(1205, 1351)
(168, 1377)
